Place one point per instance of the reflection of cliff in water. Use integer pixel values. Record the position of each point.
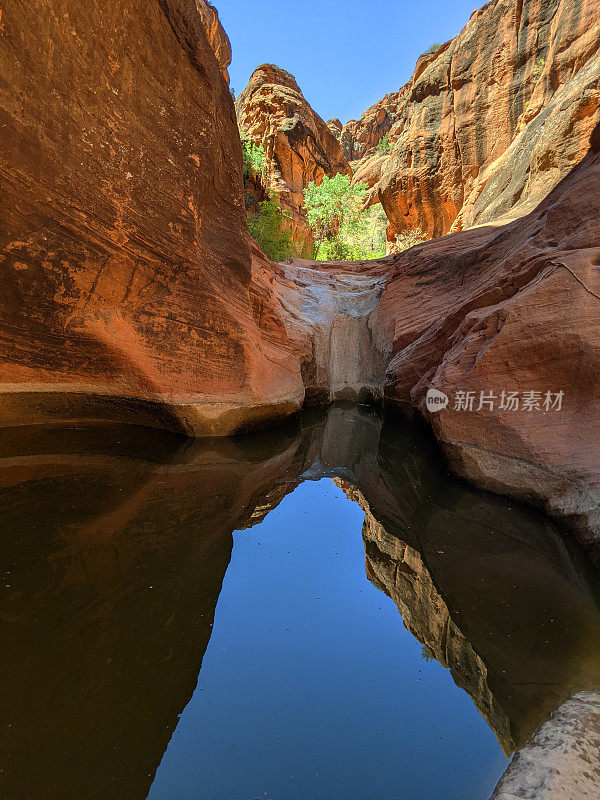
(399, 571)
(115, 546)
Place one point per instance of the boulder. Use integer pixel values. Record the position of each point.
(335, 126)
(561, 760)
(510, 309)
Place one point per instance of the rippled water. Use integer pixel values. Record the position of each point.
(223, 621)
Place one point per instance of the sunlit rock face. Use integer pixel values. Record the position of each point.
(127, 285)
(299, 146)
(217, 38)
(491, 121)
(105, 620)
(130, 290)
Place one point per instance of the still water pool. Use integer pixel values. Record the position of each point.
(312, 687)
(318, 611)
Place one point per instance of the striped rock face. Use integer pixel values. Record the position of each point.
(127, 285)
(131, 291)
(490, 122)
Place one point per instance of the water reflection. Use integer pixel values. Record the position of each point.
(116, 541)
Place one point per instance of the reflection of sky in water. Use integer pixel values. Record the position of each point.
(312, 687)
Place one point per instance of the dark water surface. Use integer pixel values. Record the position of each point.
(220, 620)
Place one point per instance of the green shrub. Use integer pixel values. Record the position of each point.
(368, 239)
(267, 227)
(433, 49)
(384, 145)
(538, 68)
(254, 159)
(426, 653)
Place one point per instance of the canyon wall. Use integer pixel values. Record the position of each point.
(130, 290)
(299, 146)
(484, 314)
(489, 122)
(128, 286)
(510, 309)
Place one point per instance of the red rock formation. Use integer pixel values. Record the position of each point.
(130, 290)
(335, 126)
(127, 286)
(491, 121)
(299, 146)
(359, 137)
(514, 308)
(217, 38)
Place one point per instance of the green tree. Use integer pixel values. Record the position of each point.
(333, 210)
(426, 653)
(368, 240)
(267, 227)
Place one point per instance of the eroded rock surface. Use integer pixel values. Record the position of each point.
(334, 309)
(127, 285)
(299, 146)
(491, 121)
(130, 290)
(514, 308)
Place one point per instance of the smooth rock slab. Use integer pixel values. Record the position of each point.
(562, 761)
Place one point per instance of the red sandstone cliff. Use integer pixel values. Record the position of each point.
(299, 146)
(490, 122)
(127, 284)
(511, 308)
(129, 288)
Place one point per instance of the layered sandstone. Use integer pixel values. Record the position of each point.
(490, 122)
(123, 302)
(299, 146)
(335, 126)
(333, 309)
(217, 38)
(514, 308)
(128, 289)
(496, 309)
(360, 137)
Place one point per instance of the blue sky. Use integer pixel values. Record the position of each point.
(345, 54)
